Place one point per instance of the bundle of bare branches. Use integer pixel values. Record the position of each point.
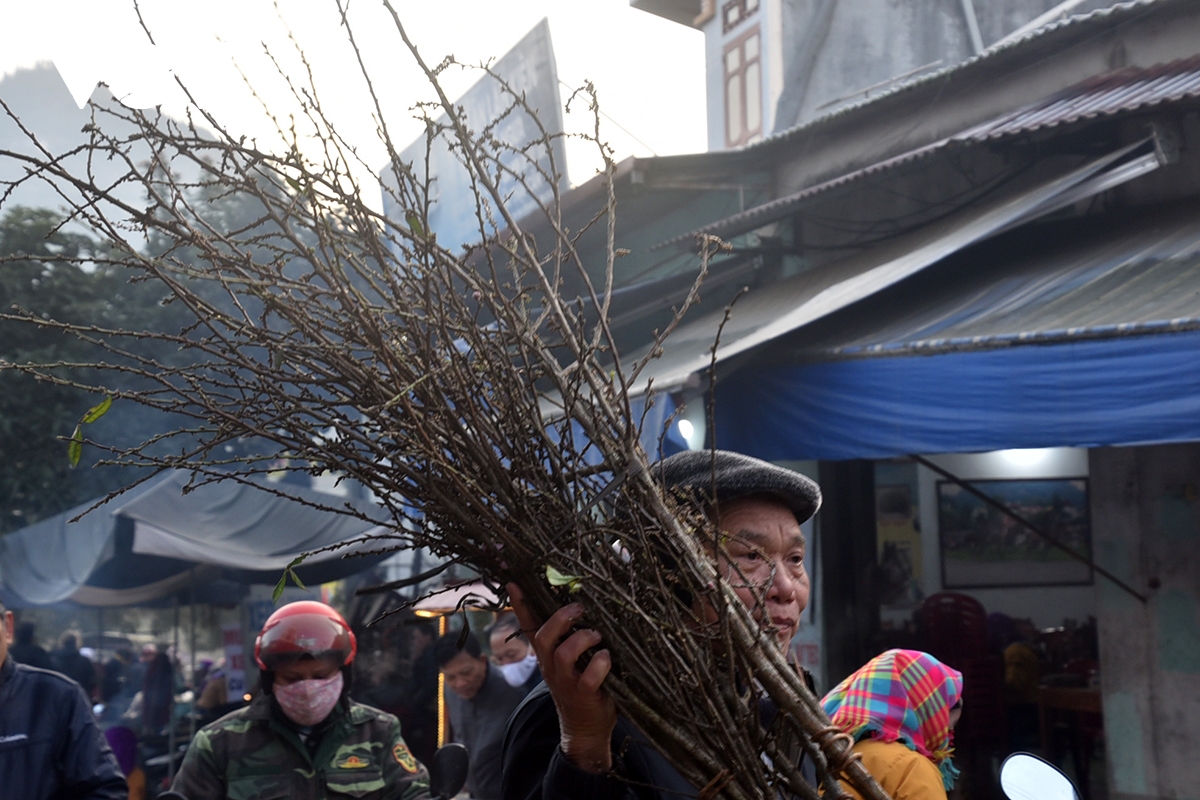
(486, 409)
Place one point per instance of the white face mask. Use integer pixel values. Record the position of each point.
(516, 673)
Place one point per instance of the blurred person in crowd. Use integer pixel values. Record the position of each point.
(135, 679)
(158, 691)
(50, 746)
(136, 673)
(116, 687)
(112, 684)
(1016, 641)
(901, 708)
(480, 701)
(513, 653)
(200, 677)
(420, 715)
(213, 701)
(303, 737)
(215, 687)
(25, 649)
(70, 662)
(123, 742)
(377, 679)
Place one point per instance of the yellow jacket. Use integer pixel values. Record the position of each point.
(904, 774)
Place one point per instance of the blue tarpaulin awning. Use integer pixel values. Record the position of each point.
(1080, 334)
(1131, 390)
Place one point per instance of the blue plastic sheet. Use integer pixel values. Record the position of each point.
(1122, 391)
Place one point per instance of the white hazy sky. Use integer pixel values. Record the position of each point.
(649, 72)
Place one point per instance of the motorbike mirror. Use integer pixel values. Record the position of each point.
(1024, 776)
(448, 772)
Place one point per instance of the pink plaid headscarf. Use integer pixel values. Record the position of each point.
(900, 696)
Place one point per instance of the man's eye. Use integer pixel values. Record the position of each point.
(752, 555)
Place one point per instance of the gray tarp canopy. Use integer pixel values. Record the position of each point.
(154, 541)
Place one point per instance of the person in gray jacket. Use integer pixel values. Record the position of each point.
(480, 701)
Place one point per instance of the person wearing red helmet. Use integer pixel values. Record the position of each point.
(303, 737)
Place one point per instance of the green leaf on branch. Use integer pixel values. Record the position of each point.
(414, 224)
(573, 582)
(97, 411)
(288, 572)
(75, 448)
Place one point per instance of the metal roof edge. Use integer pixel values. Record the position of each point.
(963, 344)
(1069, 27)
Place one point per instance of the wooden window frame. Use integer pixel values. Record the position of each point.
(739, 43)
(743, 13)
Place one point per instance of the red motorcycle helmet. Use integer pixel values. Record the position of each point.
(303, 629)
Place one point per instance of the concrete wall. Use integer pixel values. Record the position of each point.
(1146, 528)
(871, 41)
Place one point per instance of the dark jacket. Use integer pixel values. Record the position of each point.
(533, 681)
(536, 769)
(158, 691)
(30, 655)
(50, 747)
(255, 753)
(478, 724)
(75, 666)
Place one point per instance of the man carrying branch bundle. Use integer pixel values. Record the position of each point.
(566, 740)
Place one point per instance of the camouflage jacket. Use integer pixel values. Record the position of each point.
(252, 754)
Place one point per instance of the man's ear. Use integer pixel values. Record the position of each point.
(8, 627)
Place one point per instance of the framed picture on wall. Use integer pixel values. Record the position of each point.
(982, 547)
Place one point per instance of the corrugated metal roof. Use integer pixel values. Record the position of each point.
(1116, 92)
(775, 309)
(1105, 95)
(1140, 278)
(780, 207)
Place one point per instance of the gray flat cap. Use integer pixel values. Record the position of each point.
(737, 475)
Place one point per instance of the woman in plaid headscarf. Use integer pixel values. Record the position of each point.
(900, 708)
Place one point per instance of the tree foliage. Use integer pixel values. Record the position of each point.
(56, 272)
(49, 272)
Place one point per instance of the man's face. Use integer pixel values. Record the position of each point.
(508, 651)
(764, 562)
(465, 674)
(6, 635)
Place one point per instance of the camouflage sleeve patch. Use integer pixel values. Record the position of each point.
(405, 777)
(404, 758)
